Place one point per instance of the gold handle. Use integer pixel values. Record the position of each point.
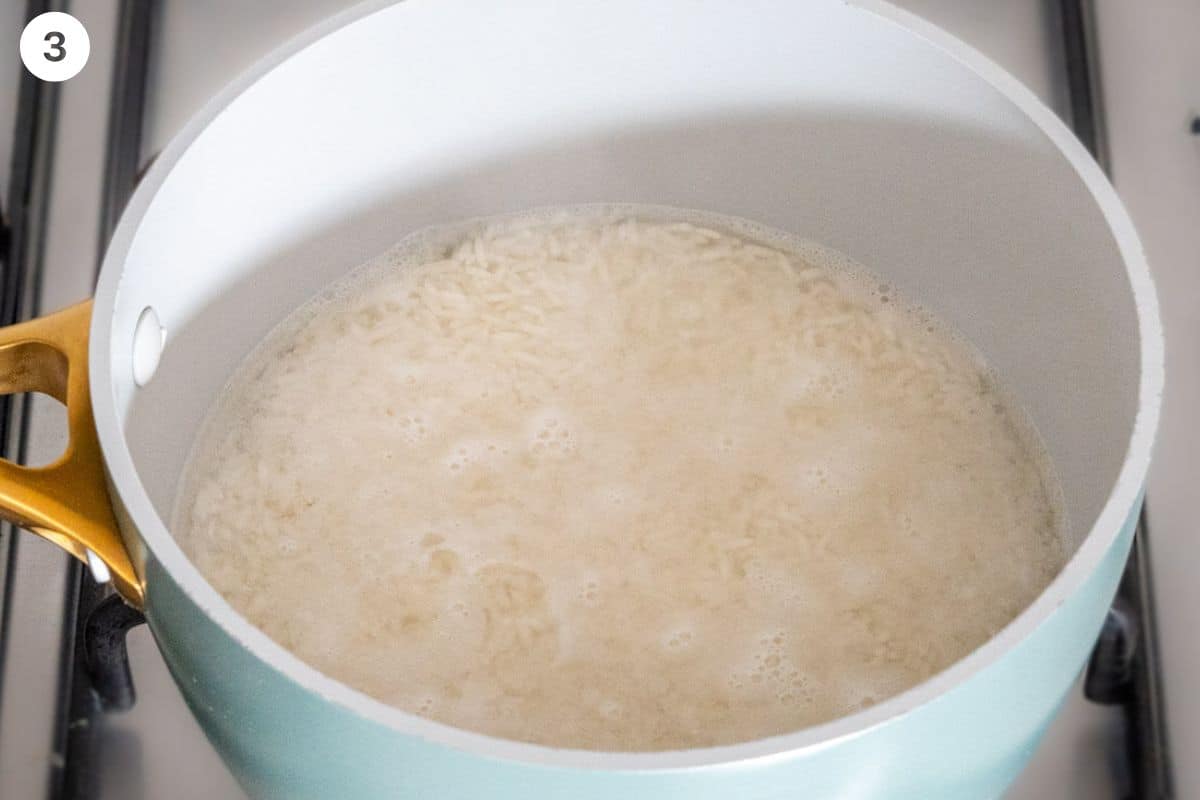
(65, 501)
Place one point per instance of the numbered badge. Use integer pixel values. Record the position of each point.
(55, 46)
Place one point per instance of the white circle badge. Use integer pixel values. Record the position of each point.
(55, 46)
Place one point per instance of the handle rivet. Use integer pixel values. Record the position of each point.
(148, 339)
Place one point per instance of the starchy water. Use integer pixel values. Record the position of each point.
(620, 479)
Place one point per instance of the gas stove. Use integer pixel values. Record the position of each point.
(87, 709)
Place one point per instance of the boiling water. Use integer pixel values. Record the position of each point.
(620, 479)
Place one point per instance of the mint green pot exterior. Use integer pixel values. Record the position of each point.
(285, 743)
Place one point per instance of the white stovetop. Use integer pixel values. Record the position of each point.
(1151, 72)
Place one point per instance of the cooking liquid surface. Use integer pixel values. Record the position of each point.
(602, 479)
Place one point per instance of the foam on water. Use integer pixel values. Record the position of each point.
(620, 477)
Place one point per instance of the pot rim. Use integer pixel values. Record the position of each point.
(1124, 496)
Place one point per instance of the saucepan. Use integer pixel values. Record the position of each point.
(852, 124)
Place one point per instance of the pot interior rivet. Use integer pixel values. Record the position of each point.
(148, 339)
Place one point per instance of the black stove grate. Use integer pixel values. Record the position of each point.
(1125, 668)
(95, 671)
(22, 226)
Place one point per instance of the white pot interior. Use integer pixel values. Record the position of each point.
(816, 118)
